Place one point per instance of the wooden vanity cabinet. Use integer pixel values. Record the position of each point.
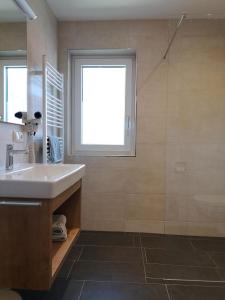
(28, 257)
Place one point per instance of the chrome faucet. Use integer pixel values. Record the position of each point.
(9, 155)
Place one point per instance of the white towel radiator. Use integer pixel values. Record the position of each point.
(53, 107)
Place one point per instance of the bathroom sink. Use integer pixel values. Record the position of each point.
(39, 180)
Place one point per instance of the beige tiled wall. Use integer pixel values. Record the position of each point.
(175, 184)
(41, 40)
(13, 36)
(195, 172)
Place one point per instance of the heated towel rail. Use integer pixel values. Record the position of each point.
(53, 108)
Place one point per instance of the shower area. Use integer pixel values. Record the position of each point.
(170, 197)
(195, 137)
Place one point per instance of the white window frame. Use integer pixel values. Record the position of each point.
(128, 149)
(20, 62)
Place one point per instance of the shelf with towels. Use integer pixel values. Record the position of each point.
(60, 248)
(32, 249)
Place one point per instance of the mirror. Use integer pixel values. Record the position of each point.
(13, 62)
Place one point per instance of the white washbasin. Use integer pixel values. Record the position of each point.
(39, 180)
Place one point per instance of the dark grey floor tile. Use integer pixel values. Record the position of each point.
(65, 269)
(74, 253)
(119, 254)
(73, 290)
(61, 290)
(144, 234)
(73, 256)
(181, 272)
(165, 242)
(191, 258)
(118, 291)
(55, 293)
(221, 272)
(218, 258)
(210, 244)
(184, 292)
(108, 271)
(100, 238)
(32, 295)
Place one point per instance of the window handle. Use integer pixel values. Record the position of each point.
(128, 124)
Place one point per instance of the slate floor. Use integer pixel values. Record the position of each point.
(137, 266)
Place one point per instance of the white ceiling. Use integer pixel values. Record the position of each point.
(9, 12)
(72, 10)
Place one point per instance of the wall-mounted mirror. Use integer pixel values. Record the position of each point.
(13, 62)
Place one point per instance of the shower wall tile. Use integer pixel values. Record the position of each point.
(151, 129)
(145, 226)
(201, 28)
(103, 206)
(204, 50)
(144, 207)
(195, 228)
(195, 208)
(175, 184)
(195, 130)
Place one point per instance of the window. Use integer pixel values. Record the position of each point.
(103, 96)
(13, 89)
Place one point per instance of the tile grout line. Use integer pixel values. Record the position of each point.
(143, 258)
(211, 259)
(79, 256)
(198, 285)
(74, 261)
(216, 266)
(187, 280)
(192, 245)
(118, 281)
(186, 266)
(150, 283)
(101, 245)
(81, 290)
(167, 291)
(70, 270)
(112, 261)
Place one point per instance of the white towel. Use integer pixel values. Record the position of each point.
(59, 231)
(60, 237)
(58, 224)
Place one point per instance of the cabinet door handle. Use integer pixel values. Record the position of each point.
(20, 203)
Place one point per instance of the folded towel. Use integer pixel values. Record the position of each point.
(55, 155)
(59, 231)
(60, 237)
(58, 224)
(61, 219)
